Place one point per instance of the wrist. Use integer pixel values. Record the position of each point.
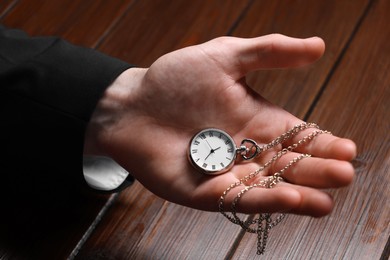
(116, 101)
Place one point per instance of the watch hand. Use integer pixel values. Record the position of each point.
(209, 145)
(216, 149)
(209, 154)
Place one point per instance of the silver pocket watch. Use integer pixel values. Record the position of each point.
(213, 151)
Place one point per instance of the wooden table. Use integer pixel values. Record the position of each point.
(347, 92)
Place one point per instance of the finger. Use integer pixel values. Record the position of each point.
(276, 51)
(282, 198)
(328, 146)
(315, 172)
(313, 202)
(324, 145)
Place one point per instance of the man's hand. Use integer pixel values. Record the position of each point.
(147, 118)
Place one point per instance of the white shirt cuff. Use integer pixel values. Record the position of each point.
(103, 173)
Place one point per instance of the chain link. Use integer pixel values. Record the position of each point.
(264, 222)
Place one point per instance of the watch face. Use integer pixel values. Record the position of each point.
(212, 151)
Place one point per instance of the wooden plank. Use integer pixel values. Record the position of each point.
(333, 21)
(6, 5)
(32, 234)
(355, 104)
(143, 226)
(80, 22)
(124, 225)
(153, 28)
(169, 236)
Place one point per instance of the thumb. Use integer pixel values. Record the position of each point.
(268, 52)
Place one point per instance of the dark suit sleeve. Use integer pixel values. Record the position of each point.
(48, 91)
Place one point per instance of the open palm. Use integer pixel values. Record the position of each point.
(204, 86)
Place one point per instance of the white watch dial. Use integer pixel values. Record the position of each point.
(213, 151)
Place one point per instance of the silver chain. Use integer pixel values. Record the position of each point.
(254, 150)
(264, 222)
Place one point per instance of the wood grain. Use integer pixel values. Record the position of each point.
(334, 21)
(355, 104)
(80, 22)
(5, 6)
(153, 28)
(363, 114)
(143, 226)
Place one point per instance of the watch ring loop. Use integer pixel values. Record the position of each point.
(248, 152)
